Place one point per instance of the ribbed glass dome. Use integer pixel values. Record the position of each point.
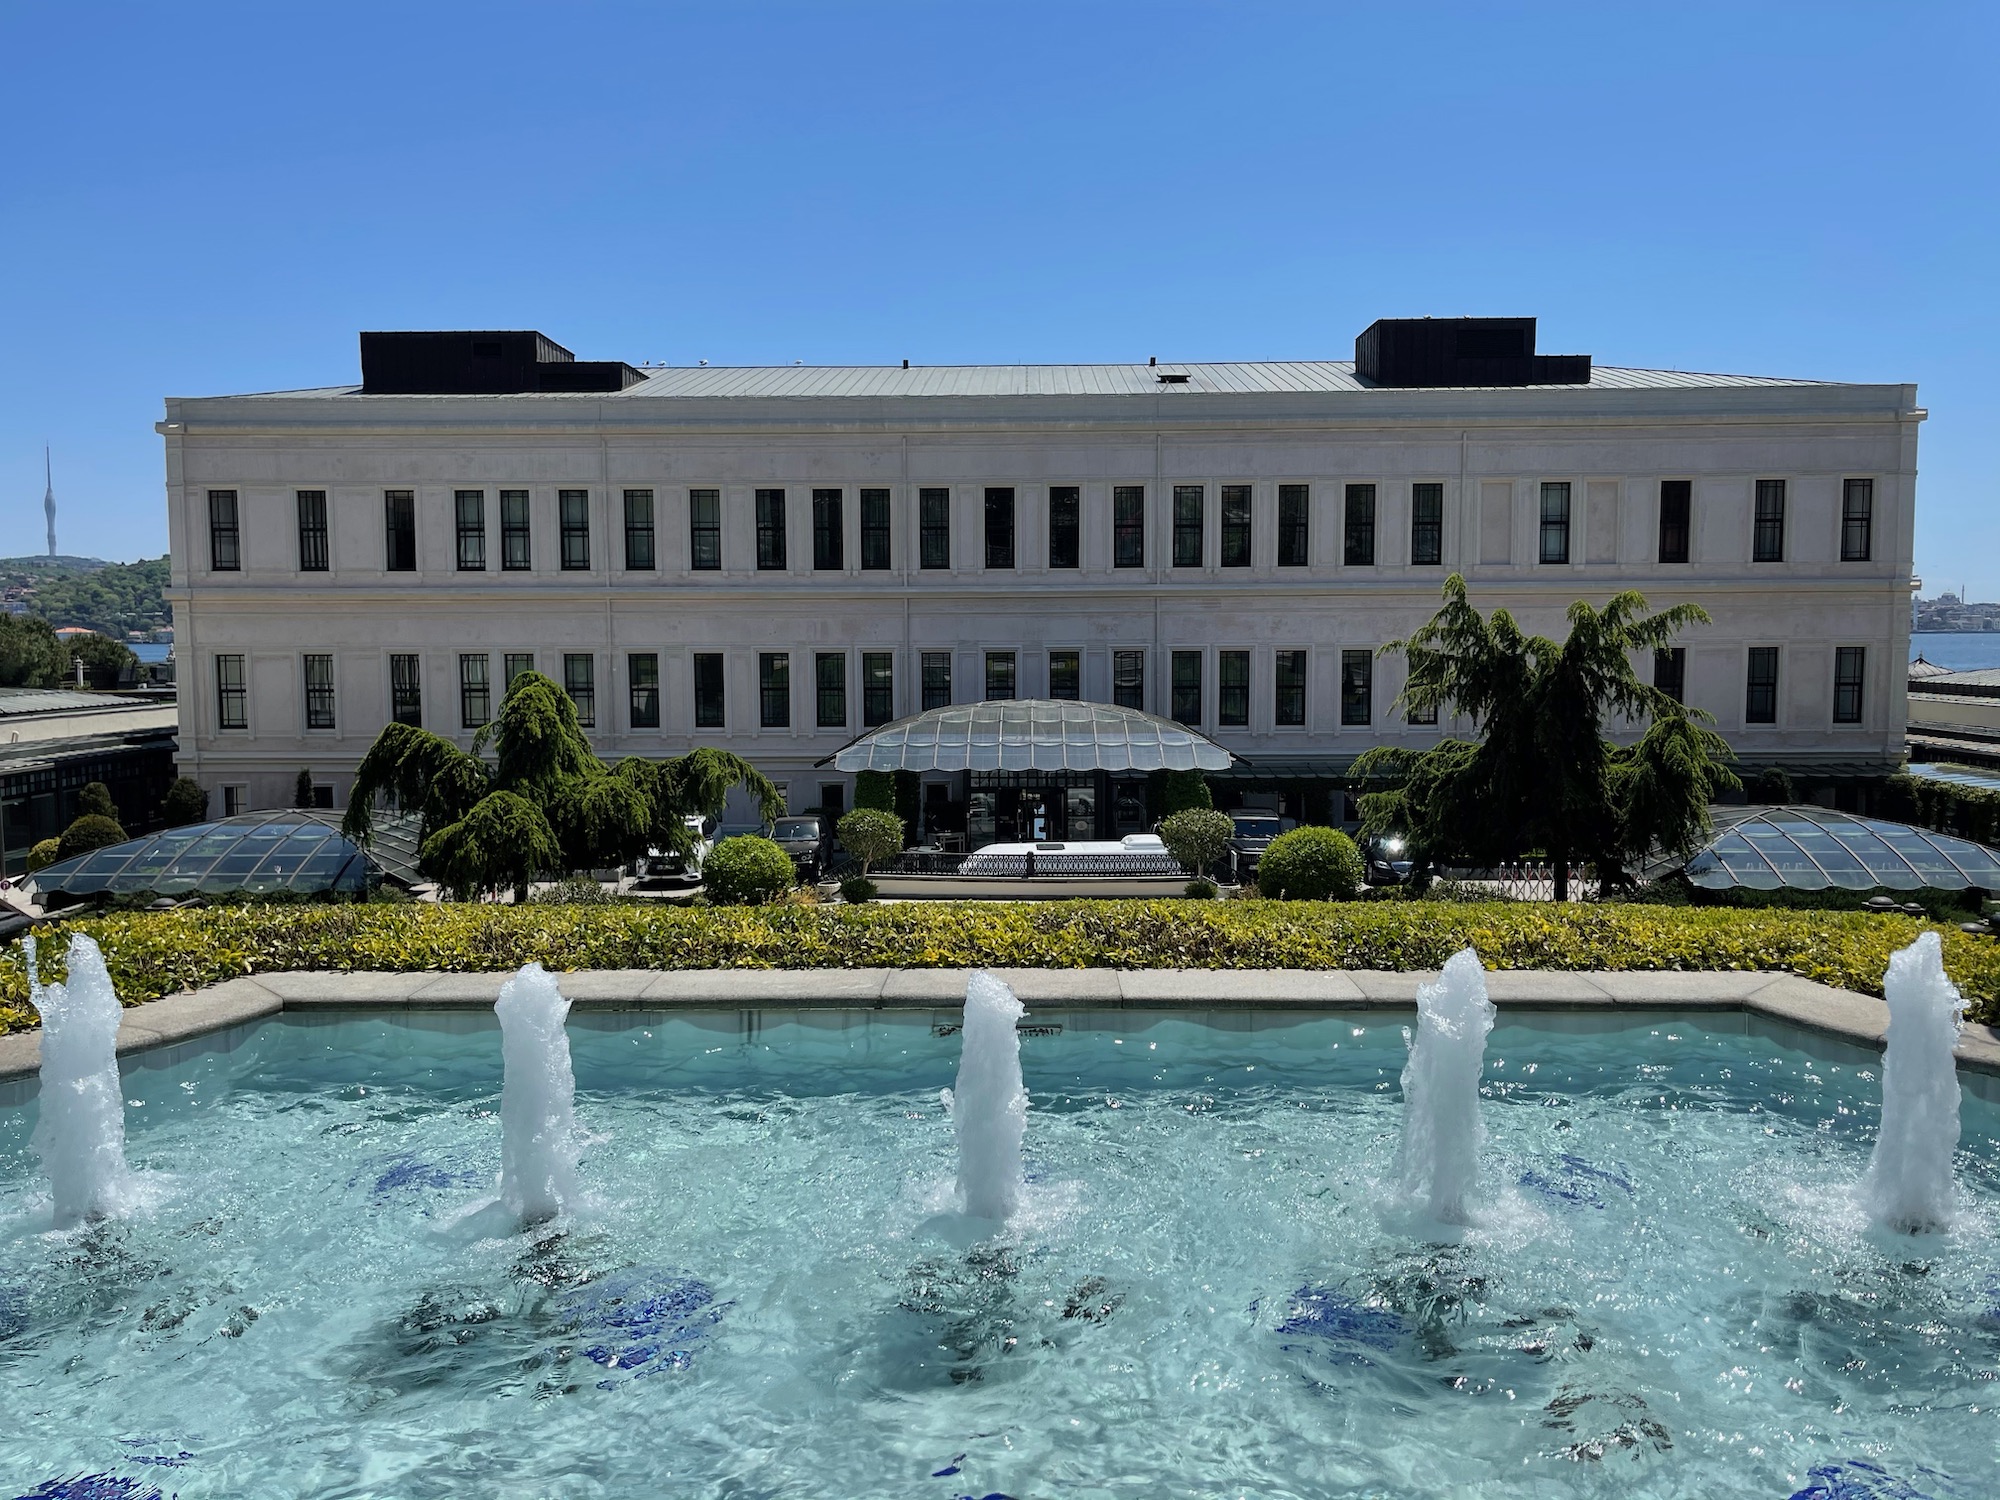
(252, 853)
(1813, 849)
(1033, 734)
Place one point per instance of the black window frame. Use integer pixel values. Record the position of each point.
(642, 689)
(1670, 671)
(705, 531)
(999, 526)
(315, 549)
(1767, 525)
(514, 665)
(1184, 677)
(934, 528)
(1190, 513)
(770, 504)
(877, 546)
(829, 531)
(580, 683)
(399, 531)
(641, 537)
(1002, 677)
(774, 690)
(1065, 527)
(1357, 526)
(319, 695)
(1294, 525)
(406, 688)
(1760, 688)
(1427, 525)
(1128, 679)
(1066, 676)
(1357, 688)
(1288, 688)
(878, 689)
(830, 689)
(1128, 526)
(232, 692)
(1236, 523)
(517, 550)
(475, 689)
(225, 532)
(934, 679)
(1232, 689)
(1850, 676)
(1555, 523)
(573, 528)
(1676, 520)
(710, 693)
(1857, 521)
(468, 516)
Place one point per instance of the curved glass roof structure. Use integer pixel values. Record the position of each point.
(297, 851)
(1813, 849)
(1032, 734)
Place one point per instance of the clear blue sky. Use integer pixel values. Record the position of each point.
(202, 198)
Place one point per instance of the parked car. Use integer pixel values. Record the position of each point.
(1385, 859)
(1253, 835)
(804, 838)
(668, 864)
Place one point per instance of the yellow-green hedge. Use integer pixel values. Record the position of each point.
(156, 953)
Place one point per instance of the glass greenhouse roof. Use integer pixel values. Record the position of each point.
(252, 853)
(1813, 849)
(1033, 734)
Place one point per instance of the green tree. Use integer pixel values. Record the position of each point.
(91, 831)
(103, 659)
(184, 803)
(1543, 775)
(871, 835)
(30, 654)
(1197, 837)
(875, 789)
(302, 789)
(96, 798)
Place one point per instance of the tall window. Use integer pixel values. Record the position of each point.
(1236, 526)
(475, 690)
(1555, 522)
(1289, 706)
(406, 690)
(1760, 693)
(999, 675)
(1187, 525)
(774, 690)
(1128, 679)
(639, 547)
(573, 510)
(829, 547)
(875, 551)
(313, 550)
(1128, 526)
(771, 530)
(232, 697)
(1857, 520)
(1065, 526)
(319, 692)
(936, 679)
(934, 528)
(225, 539)
(642, 671)
(878, 688)
(516, 556)
(580, 682)
(1066, 676)
(469, 507)
(1426, 525)
(1232, 689)
(708, 690)
(516, 665)
(1670, 671)
(830, 689)
(999, 528)
(1294, 525)
(399, 527)
(705, 530)
(1357, 687)
(1767, 537)
(1676, 519)
(1423, 716)
(1359, 548)
(1849, 665)
(1186, 667)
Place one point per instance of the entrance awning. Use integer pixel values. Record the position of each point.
(1031, 734)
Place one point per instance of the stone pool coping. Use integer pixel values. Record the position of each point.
(1820, 1008)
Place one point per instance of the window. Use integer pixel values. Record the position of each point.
(1849, 662)
(999, 675)
(1670, 670)
(999, 528)
(1767, 538)
(1357, 687)
(1426, 525)
(515, 554)
(1423, 717)
(1289, 705)
(1555, 522)
(705, 530)
(1187, 686)
(829, 550)
(774, 690)
(517, 664)
(1066, 676)
(319, 692)
(1128, 679)
(1857, 520)
(313, 551)
(1294, 525)
(1236, 526)
(406, 691)
(937, 679)
(399, 526)
(1676, 510)
(1760, 695)
(1359, 548)
(225, 540)
(573, 511)
(875, 552)
(878, 688)
(475, 690)
(1232, 676)
(830, 689)
(235, 799)
(322, 798)
(708, 690)
(934, 528)
(1128, 526)
(1187, 525)
(642, 670)
(639, 531)
(580, 682)
(1065, 526)
(469, 507)
(771, 531)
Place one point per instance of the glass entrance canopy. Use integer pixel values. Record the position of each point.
(1813, 849)
(1032, 734)
(296, 851)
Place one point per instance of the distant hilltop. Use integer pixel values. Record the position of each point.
(57, 564)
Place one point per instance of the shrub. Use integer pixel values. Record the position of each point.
(1310, 864)
(1197, 837)
(1169, 792)
(1772, 786)
(876, 789)
(95, 799)
(1201, 889)
(91, 831)
(184, 803)
(574, 890)
(302, 788)
(857, 889)
(746, 870)
(47, 852)
(871, 835)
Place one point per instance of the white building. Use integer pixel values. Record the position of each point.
(774, 559)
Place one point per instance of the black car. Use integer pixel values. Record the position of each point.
(803, 838)
(1253, 834)
(1386, 860)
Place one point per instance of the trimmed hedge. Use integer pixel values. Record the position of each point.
(157, 953)
(1971, 812)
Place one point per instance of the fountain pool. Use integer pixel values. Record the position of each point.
(1669, 1284)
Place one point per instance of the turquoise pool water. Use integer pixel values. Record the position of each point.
(1672, 1292)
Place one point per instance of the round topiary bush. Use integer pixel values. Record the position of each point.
(1310, 864)
(44, 853)
(1197, 837)
(746, 871)
(1202, 889)
(91, 831)
(857, 889)
(872, 836)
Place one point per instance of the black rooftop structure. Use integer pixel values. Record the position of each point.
(1410, 353)
(482, 363)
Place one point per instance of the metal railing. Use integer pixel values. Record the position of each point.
(1029, 866)
(1532, 881)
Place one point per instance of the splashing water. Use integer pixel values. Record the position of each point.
(81, 1133)
(1908, 1187)
(989, 1105)
(538, 1138)
(1437, 1162)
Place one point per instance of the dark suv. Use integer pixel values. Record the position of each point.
(1253, 835)
(803, 838)
(1385, 859)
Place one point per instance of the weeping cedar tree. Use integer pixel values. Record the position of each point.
(1543, 776)
(546, 805)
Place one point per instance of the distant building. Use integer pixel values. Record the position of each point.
(54, 742)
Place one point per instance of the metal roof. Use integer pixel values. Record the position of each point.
(1032, 734)
(1956, 775)
(67, 700)
(1813, 849)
